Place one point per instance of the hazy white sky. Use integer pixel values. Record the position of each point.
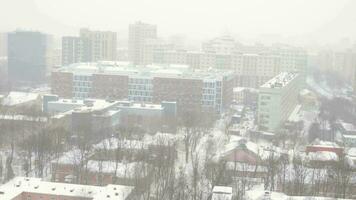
(195, 18)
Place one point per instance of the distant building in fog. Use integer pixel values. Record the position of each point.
(193, 90)
(3, 44)
(253, 65)
(139, 32)
(277, 99)
(342, 63)
(221, 45)
(74, 50)
(102, 44)
(3, 74)
(27, 57)
(90, 46)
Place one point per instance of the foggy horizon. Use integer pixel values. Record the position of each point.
(178, 99)
(295, 22)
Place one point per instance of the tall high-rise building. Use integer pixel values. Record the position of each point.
(3, 44)
(90, 46)
(138, 34)
(74, 50)
(102, 44)
(27, 57)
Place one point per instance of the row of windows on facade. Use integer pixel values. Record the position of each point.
(85, 80)
(82, 83)
(140, 87)
(81, 78)
(80, 95)
(81, 89)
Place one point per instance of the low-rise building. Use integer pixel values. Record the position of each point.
(24, 188)
(99, 114)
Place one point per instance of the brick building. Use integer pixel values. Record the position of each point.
(193, 90)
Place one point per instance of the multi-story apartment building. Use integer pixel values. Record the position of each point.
(3, 74)
(152, 48)
(253, 65)
(252, 70)
(193, 90)
(27, 57)
(3, 44)
(277, 99)
(291, 58)
(102, 44)
(342, 63)
(221, 45)
(90, 46)
(139, 32)
(74, 50)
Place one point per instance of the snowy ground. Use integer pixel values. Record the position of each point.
(326, 91)
(258, 193)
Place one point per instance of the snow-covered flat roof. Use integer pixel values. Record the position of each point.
(281, 80)
(23, 118)
(222, 189)
(258, 192)
(349, 136)
(296, 114)
(222, 193)
(19, 185)
(114, 143)
(322, 156)
(16, 98)
(149, 71)
(348, 126)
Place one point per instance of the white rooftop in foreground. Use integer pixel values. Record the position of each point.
(222, 193)
(20, 185)
(281, 80)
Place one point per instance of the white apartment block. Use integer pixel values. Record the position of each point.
(102, 44)
(277, 99)
(139, 32)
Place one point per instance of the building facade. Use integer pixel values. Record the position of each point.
(27, 57)
(139, 32)
(277, 99)
(3, 44)
(90, 46)
(251, 69)
(193, 90)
